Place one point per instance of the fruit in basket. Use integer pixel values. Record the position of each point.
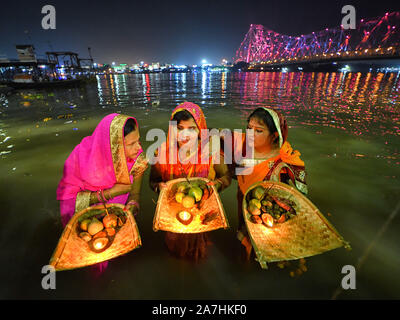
(95, 226)
(183, 187)
(255, 203)
(264, 209)
(110, 221)
(110, 231)
(100, 234)
(84, 224)
(282, 218)
(85, 236)
(258, 193)
(179, 197)
(188, 202)
(267, 203)
(256, 219)
(196, 193)
(253, 210)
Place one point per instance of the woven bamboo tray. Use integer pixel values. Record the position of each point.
(165, 216)
(307, 234)
(73, 252)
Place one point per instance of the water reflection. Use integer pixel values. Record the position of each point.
(345, 124)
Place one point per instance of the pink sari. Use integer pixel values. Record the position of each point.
(98, 162)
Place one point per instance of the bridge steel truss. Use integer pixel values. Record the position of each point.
(376, 37)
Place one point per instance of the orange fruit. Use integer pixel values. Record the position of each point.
(188, 202)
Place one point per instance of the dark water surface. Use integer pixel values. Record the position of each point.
(346, 126)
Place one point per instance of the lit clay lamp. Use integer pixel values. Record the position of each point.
(100, 243)
(267, 219)
(184, 217)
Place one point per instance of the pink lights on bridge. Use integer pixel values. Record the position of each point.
(371, 38)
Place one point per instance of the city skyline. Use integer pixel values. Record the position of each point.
(166, 32)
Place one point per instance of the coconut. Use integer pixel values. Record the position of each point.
(95, 226)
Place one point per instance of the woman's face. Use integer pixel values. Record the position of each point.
(187, 131)
(262, 135)
(132, 144)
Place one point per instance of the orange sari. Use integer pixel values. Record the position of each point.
(186, 245)
(287, 167)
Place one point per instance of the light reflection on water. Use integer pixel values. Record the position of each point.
(346, 126)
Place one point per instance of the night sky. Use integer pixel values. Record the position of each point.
(179, 32)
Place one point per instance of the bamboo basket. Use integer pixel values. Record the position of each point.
(73, 252)
(307, 234)
(165, 217)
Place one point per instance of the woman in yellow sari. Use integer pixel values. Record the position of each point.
(190, 120)
(273, 160)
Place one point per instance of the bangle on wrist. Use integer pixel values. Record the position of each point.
(103, 196)
(98, 196)
(133, 203)
(107, 194)
(220, 182)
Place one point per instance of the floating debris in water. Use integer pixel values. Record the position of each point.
(10, 146)
(6, 138)
(46, 119)
(4, 152)
(66, 122)
(75, 129)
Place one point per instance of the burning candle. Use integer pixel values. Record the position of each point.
(100, 243)
(184, 217)
(267, 219)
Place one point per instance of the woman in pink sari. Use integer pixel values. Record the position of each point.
(105, 167)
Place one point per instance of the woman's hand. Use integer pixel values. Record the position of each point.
(161, 186)
(117, 189)
(132, 208)
(216, 183)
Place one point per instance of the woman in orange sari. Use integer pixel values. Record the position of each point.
(273, 160)
(190, 120)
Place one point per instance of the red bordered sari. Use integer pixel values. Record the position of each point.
(186, 245)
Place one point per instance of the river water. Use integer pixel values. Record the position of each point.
(346, 126)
